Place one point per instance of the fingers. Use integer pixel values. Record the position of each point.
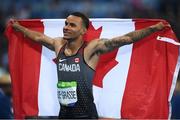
(13, 21)
(162, 25)
(166, 25)
(159, 26)
(15, 24)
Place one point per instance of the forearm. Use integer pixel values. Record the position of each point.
(140, 34)
(110, 44)
(106, 45)
(33, 35)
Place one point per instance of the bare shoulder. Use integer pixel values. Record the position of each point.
(58, 43)
(59, 40)
(95, 45)
(92, 44)
(90, 55)
(91, 48)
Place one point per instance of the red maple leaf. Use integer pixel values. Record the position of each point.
(92, 33)
(106, 62)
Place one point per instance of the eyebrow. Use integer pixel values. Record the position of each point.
(71, 23)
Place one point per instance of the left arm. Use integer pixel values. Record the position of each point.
(106, 45)
(100, 46)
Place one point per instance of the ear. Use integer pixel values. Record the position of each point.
(84, 30)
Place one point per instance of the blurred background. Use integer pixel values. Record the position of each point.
(29, 9)
(23, 9)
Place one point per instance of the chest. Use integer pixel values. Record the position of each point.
(70, 64)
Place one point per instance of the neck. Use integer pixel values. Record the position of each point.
(73, 46)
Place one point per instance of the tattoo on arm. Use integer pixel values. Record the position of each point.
(111, 44)
(116, 43)
(106, 45)
(139, 34)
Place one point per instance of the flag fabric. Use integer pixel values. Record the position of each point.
(134, 81)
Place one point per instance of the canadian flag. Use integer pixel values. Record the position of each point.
(134, 81)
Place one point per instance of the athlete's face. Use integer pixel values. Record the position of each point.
(73, 28)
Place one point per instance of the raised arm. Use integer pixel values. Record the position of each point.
(34, 35)
(106, 45)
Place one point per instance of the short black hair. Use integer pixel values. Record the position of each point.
(84, 18)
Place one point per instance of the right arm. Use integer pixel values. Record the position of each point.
(35, 36)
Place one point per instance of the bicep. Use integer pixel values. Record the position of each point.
(107, 45)
(104, 45)
(47, 42)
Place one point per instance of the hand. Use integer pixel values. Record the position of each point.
(161, 25)
(15, 24)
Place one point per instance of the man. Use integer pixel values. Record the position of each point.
(77, 60)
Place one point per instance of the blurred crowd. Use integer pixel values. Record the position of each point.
(28, 9)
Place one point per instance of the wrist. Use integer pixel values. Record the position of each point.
(153, 28)
(16, 27)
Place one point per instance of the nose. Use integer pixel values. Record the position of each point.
(66, 27)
